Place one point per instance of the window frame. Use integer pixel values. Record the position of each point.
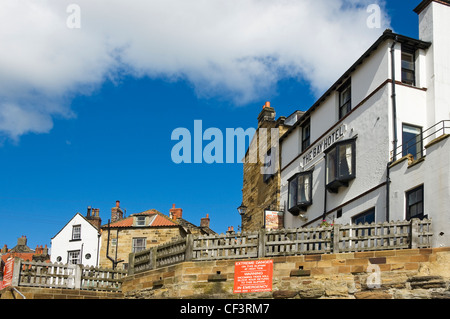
(408, 205)
(339, 180)
(71, 259)
(411, 52)
(419, 154)
(136, 248)
(364, 214)
(301, 206)
(140, 221)
(347, 104)
(306, 138)
(76, 235)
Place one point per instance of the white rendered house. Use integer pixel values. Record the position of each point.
(375, 146)
(78, 242)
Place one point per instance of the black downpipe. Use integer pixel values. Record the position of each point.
(325, 190)
(394, 101)
(394, 122)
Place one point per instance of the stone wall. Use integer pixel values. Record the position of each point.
(155, 236)
(403, 274)
(257, 194)
(52, 293)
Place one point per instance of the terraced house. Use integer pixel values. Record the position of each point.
(124, 235)
(375, 146)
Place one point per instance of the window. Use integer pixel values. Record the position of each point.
(414, 204)
(340, 165)
(345, 99)
(268, 167)
(300, 192)
(138, 244)
(76, 232)
(140, 220)
(408, 66)
(73, 257)
(366, 217)
(412, 141)
(306, 135)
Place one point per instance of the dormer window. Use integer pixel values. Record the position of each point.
(140, 220)
(340, 165)
(300, 192)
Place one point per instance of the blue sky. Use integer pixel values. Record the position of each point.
(86, 126)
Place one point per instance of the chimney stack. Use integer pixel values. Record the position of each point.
(267, 114)
(22, 241)
(116, 212)
(4, 249)
(204, 222)
(230, 230)
(175, 213)
(93, 216)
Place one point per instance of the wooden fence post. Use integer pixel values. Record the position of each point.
(336, 233)
(131, 264)
(153, 253)
(415, 233)
(77, 276)
(189, 253)
(262, 243)
(16, 272)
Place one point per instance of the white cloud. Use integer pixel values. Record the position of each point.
(226, 48)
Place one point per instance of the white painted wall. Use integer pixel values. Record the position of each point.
(89, 243)
(434, 23)
(434, 174)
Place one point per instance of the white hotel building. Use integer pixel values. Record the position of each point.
(374, 147)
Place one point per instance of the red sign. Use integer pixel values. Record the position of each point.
(253, 276)
(7, 274)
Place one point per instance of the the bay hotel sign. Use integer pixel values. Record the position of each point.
(324, 144)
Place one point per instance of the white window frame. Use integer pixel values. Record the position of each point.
(76, 232)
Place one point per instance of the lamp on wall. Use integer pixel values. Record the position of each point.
(242, 209)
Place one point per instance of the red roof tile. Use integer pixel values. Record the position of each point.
(159, 220)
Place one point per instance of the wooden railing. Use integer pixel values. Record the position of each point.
(287, 242)
(58, 275)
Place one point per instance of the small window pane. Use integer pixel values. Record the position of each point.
(412, 141)
(414, 204)
(293, 193)
(76, 232)
(345, 160)
(331, 166)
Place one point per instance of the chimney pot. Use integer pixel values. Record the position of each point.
(204, 222)
(175, 213)
(266, 105)
(117, 203)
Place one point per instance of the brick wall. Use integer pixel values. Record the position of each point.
(404, 274)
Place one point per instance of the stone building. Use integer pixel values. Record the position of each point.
(374, 147)
(261, 184)
(141, 231)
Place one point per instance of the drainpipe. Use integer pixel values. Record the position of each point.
(325, 190)
(394, 100)
(394, 123)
